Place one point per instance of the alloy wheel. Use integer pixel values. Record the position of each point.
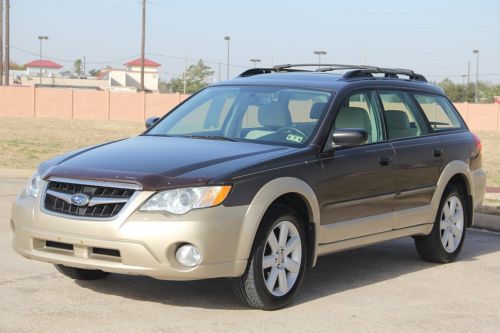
(282, 258)
(452, 224)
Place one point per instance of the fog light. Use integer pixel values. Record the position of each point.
(188, 255)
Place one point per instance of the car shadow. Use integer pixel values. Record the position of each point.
(333, 274)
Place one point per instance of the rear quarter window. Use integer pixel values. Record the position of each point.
(439, 112)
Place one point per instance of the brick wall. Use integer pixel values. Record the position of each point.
(82, 104)
(102, 105)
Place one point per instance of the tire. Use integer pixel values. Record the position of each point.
(281, 261)
(440, 246)
(81, 274)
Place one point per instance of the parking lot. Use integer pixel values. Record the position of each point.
(382, 288)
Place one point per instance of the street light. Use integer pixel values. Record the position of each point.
(319, 53)
(255, 61)
(227, 38)
(41, 38)
(477, 72)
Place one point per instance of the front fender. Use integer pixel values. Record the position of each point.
(263, 200)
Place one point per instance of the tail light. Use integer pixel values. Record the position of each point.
(479, 147)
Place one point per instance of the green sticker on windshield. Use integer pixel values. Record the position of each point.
(294, 138)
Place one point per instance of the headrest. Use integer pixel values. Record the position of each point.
(353, 117)
(317, 110)
(397, 119)
(274, 115)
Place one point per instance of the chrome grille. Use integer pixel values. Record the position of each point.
(105, 201)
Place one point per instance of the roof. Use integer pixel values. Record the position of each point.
(147, 63)
(43, 64)
(328, 81)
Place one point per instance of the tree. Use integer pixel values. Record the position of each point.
(94, 72)
(466, 92)
(15, 66)
(195, 78)
(78, 66)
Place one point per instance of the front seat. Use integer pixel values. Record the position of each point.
(272, 117)
(398, 125)
(354, 117)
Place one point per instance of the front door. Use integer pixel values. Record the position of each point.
(357, 188)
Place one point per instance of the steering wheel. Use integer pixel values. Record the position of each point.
(296, 130)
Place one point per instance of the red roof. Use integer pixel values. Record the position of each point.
(147, 63)
(43, 63)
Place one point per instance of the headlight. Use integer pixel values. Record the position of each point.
(182, 200)
(33, 186)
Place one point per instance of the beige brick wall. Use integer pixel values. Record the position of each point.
(17, 102)
(31, 102)
(103, 105)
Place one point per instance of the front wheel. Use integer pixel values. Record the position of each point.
(445, 241)
(277, 262)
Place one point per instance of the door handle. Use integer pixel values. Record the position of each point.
(384, 161)
(437, 152)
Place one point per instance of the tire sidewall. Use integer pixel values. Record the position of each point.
(449, 192)
(270, 221)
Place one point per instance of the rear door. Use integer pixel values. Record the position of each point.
(357, 186)
(419, 157)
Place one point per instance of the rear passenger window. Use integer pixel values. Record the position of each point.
(402, 118)
(439, 112)
(360, 111)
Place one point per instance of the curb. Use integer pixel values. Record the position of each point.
(486, 222)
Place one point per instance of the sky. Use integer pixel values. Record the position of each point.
(433, 37)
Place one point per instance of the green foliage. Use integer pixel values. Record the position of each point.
(78, 66)
(466, 93)
(195, 77)
(94, 72)
(15, 66)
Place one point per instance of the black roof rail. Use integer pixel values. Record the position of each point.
(388, 73)
(355, 71)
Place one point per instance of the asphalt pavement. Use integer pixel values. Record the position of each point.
(381, 288)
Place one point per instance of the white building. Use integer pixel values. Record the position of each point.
(130, 78)
(47, 67)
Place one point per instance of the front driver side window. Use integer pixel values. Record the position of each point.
(359, 111)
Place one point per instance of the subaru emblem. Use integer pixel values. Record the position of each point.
(80, 199)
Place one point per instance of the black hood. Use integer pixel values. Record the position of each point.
(161, 162)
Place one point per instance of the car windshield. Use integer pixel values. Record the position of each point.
(273, 115)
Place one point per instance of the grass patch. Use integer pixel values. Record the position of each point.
(24, 143)
(491, 156)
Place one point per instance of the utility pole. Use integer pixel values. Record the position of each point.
(41, 38)
(477, 74)
(255, 61)
(227, 38)
(1, 42)
(143, 42)
(219, 72)
(468, 73)
(319, 53)
(7, 43)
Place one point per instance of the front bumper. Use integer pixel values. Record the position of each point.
(144, 241)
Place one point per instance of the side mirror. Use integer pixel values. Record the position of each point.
(348, 137)
(151, 121)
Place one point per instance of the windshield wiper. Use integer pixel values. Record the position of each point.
(209, 137)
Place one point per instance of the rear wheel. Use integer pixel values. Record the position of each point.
(277, 263)
(81, 274)
(445, 241)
